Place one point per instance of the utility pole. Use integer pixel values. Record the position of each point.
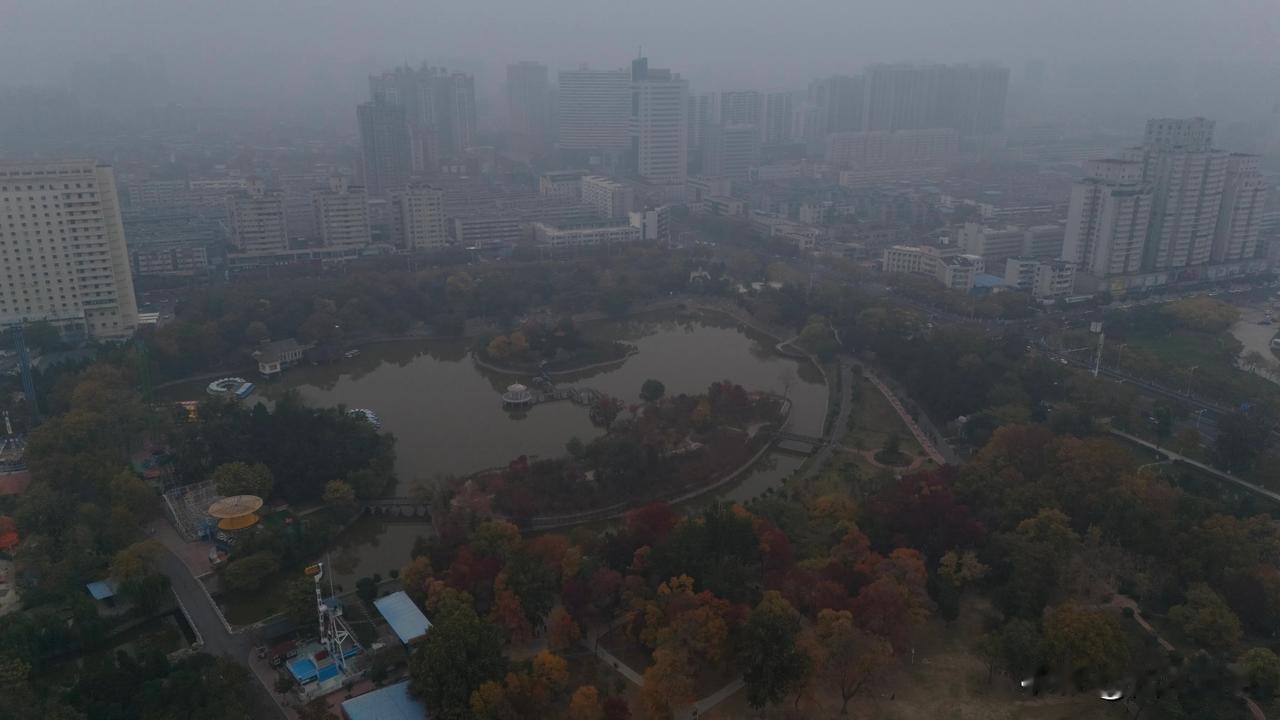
(1096, 327)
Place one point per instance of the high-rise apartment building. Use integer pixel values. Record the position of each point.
(740, 107)
(257, 219)
(418, 219)
(593, 110)
(834, 104)
(1107, 220)
(384, 143)
(968, 99)
(1187, 177)
(775, 126)
(342, 215)
(62, 248)
(730, 151)
(659, 124)
(893, 149)
(440, 110)
(701, 113)
(1244, 197)
(529, 103)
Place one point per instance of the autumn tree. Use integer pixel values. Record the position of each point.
(415, 576)
(846, 657)
(1085, 643)
(605, 410)
(615, 708)
(562, 631)
(668, 683)
(585, 704)
(772, 663)
(508, 614)
(339, 494)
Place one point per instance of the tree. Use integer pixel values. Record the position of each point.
(508, 614)
(652, 390)
(316, 709)
(256, 332)
(848, 658)
(415, 576)
(585, 704)
(238, 478)
(772, 664)
(615, 708)
(605, 410)
(460, 653)
(668, 683)
(490, 702)
(299, 601)
(339, 494)
(562, 631)
(1242, 437)
(1206, 618)
(1260, 669)
(247, 573)
(1086, 644)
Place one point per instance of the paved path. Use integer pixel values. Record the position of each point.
(921, 437)
(1215, 472)
(209, 623)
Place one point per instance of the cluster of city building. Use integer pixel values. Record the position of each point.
(910, 168)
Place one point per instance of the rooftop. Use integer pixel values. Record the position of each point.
(403, 615)
(390, 703)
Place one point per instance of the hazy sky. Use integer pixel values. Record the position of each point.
(715, 43)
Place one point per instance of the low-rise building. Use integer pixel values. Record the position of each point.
(274, 357)
(169, 259)
(342, 215)
(944, 264)
(701, 187)
(610, 198)
(548, 236)
(721, 205)
(486, 231)
(1042, 278)
(654, 223)
(561, 184)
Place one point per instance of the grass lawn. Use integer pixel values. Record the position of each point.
(946, 682)
(1216, 374)
(873, 419)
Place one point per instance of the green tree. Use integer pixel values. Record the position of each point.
(249, 572)
(339, 494)
(1260, 668)
(652, 390)
(459, 654)
(771, 662)
(299, 601)
(239, 478)
(1206, 618)
(140, 583)
(1164, 423)
(1086, 644)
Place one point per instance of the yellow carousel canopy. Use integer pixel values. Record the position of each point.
(235, 506)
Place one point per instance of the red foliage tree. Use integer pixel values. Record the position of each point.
(650, 524)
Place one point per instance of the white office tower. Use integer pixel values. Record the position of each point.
(659, 126)
(1187, 177)
(1244, 196)
(1108, 218)
(257, 219)
(62, 248)
(593, 109)
(775, 127)
(731, 151)
(342, 215)
(417, 219)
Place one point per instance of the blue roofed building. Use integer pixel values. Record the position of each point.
(389, 703)
(403, 615)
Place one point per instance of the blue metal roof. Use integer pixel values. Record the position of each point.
(403, 615)
(985, 280)
(102, 589)
(390, 703)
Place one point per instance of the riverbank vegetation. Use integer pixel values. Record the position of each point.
(670, 445)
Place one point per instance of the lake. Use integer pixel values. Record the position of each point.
(447, 414)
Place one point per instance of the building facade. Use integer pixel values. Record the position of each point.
(342, 215)
(63, 256)
(529, 103)
(731, 151)
(659, 124)
(609, 197)
(1108, 218)
(593, 110)
(385, 147)
(551, 237)
(418, 219)
(257, 219)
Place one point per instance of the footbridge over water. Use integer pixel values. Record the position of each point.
(398, 508)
